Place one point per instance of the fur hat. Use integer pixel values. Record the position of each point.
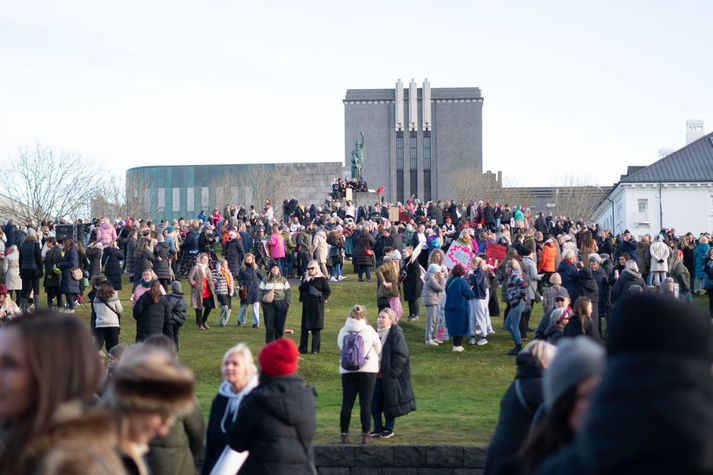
(555, 279)
(148, 379)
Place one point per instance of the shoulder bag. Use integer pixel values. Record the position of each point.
(269, 296)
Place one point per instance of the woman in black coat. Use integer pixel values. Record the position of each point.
(30, 269)
(363, 247)
(314, 292)
(162, 262)
(250, 277)
(152, 313)
(234, 253)
(393, 394)
(581, 322)
(69, 286)
(587, 287)
(111, 262)
(94, 254)
(519, 404)
(602, 279)
(413, 284)
(143, 259)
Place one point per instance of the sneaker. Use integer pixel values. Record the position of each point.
(341, 278)
(471, 340)
(491, 332)
(240, 324)
(375, 435)
(387, 434)
(458, 349)
(255, 325)
(411, 318)
(482, 341)
(516, 349)
(437, 341)
(478, 332)
(333, 279)
(431, 343)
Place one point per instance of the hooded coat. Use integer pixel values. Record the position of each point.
(53, 257)
(106, 233)
(516, 412)
(276, 423)
(568, 272)
(363, 241)
(659, 252)
(395, 370)
(702, 251)
(458, 293)
(621, 287)
(162, 267)
(587, 287)
(112, 266)
(313, 307)
(150, 317)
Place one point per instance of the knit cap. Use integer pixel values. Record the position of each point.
(576, 360)
(176, 287)
(433, 268)
(279, 358)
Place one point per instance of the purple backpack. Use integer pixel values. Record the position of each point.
(353, 355)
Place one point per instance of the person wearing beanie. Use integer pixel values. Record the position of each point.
(276, 421)
(567, 385)
(178, 307)
(148, 391)
(651, 414)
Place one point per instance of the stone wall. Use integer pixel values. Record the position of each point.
(309, 182)
(399, 459)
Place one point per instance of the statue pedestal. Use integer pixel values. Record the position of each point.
(366, 198)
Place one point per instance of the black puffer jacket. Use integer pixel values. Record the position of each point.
(161, 267)
(150, 317)
(396, 375)
(517, 408)
(276, 423)
(112, 266)
(587, 287)
(622, 286)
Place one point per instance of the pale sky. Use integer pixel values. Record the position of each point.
(571, 87)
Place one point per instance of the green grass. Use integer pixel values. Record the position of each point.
(457, 394)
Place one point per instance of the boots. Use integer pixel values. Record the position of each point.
(364, 438)
(516, 349)
(344, 438)
(22, 304)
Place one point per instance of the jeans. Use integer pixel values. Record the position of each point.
(243, 313)
(337, 269)
(280, 262)
(224, 315)
(275, 318)
(433, 317)
(52, 294)
(353, 384)
(377, 408)
(363, 269)
(698, 283)
(512, 322)
(288, 264)
(106, 336)
(30, 283)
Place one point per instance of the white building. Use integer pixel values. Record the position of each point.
(673, 192)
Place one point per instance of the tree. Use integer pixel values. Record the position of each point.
(48, 184)
(575, 199)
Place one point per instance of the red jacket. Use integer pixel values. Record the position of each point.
(548, 258)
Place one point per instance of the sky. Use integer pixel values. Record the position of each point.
(574, 91)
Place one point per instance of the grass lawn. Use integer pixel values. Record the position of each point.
(457, 394)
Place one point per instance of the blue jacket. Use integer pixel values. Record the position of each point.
(568, 272)
(479, 284)
(458, 293)
(702, 251)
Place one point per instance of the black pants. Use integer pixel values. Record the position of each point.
(108, 336)
(525, 320)
(202, 315)
(166, 284)
(710, 301)
(413, 308)
(30, 282)
(275, 317)
(171, 331)
(304, 338)
(457, 341)
(353, 384)
(52, 294)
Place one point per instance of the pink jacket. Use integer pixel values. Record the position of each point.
(106, 233)
(277, 246)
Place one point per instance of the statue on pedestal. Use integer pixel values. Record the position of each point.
(358, 158)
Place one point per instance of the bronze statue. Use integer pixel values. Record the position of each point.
(358, 158)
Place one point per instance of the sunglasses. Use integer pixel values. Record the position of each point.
(311, 268)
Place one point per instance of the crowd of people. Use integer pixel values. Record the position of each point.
(510, 260)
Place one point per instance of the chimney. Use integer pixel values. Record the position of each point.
(694, 130)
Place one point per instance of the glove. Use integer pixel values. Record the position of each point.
(56, 270)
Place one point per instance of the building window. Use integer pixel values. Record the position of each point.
(161, 198)
(710, 203)
(190, 197)
(205, 197)
(147, 200)
(176, 200)
(426, 168)
(399, 166)
(413, 163)
(643, 205)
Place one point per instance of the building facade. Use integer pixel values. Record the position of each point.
(172, 192)
(416, 139)
(673, 192)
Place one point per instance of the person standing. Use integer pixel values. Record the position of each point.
(277, 247)
(314, 292)
(659, 260)
(152, 312)
(413, 282)
(479, 313)
(276, 296)
(249, 278)
(393, 394)
(111, 264)
(517, 301)
(458, 293)
(107, 307)
(432, 298)
(277, 420)
(202, 291)
(178, 311)
(357, 338)
(224, 285)
(70, 262)
(30, 270)
(52, 273)
(387, 294)
(239, 378)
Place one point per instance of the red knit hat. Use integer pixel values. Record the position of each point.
(279, 358)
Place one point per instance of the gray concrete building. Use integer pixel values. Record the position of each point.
(416, 138)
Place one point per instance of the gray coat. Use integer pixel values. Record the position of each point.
(433, 289)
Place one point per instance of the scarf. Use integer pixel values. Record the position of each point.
(146, 284)
(228, 279)
(234, 400)
(383, 333)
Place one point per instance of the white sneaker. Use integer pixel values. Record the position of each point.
(341, 278)
(478, 332)
(471, 340)
(482, 342)
(491, 332)
(458, 349)
(333, 279)
(437, 341)
(431, 343)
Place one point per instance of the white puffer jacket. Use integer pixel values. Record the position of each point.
(372, 344)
